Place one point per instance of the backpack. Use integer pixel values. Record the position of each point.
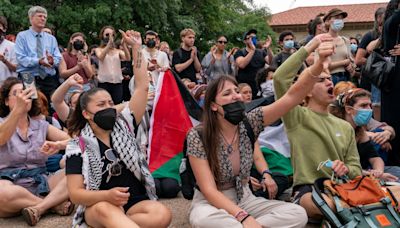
(186, 173)
(362, 202)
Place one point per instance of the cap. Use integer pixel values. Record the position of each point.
(151, 32)
(334, 12)
(249, 32)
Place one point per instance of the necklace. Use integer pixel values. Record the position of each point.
(229, 147)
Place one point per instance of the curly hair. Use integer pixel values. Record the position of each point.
(4, 94)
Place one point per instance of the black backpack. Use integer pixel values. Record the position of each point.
(186, 173)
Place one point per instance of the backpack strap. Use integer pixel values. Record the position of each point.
(386, 201)
(49, 120)
(250, 132)
(324, 207)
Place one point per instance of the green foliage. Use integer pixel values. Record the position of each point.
(209, 18)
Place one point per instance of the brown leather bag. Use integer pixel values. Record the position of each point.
(361, 190)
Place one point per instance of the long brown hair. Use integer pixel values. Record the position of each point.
(70, 44)
(211, 127)
(77, 121)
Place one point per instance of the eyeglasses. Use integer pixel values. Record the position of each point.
(222, 42)
(113, 168)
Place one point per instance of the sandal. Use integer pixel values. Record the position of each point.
(63, 209)
(31, 215)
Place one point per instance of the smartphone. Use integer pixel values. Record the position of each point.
(28, 81)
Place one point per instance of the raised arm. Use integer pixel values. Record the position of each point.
(57, 98)
(9, 126)
(299, 90)
(138, 101)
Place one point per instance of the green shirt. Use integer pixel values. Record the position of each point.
(314, 137)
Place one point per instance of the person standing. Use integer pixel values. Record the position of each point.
(186, 59)
(250, 60)
(109, 73)
(37, 52)
(8, 61)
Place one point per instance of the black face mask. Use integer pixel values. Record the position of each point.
(105, 40)
(105, 118)
(151, 43)
(234, 112)
(78, 45)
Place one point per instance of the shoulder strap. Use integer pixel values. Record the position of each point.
(180, 53)
(250, 132)
(49, 119)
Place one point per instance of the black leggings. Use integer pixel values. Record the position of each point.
(114, 89)
(167, 187)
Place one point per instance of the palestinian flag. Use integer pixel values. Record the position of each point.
(174, 112)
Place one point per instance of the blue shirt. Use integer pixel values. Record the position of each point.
(27, 58)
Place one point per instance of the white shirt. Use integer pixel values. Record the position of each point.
(162, 61)
(7, 49)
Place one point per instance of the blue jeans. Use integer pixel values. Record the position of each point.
(375, 95)
(340, 76)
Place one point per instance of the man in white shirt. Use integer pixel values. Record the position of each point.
(157, 60)
(8, 60)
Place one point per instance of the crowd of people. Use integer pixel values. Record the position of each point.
(74, 122)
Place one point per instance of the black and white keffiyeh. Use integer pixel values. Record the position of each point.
(125, 145)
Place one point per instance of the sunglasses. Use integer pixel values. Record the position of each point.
(113, 168)
(222, 42)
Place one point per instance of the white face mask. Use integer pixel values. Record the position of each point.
(337, 25)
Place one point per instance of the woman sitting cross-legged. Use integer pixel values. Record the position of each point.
(221, 154)
(24, 184)
(107, 174)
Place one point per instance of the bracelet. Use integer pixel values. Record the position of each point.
(244, 218)
(312, 75)
(266, 171)
(241, 215)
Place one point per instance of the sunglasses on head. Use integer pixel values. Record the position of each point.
(113, 168)
(222, 42)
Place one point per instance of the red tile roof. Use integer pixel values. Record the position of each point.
(301, 15)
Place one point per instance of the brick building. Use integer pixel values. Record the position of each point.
(360, 19)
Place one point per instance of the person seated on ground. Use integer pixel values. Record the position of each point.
(354, 106)
(268, 186)
(380, 133)
(246, 92)
(222, 158)
(198, 94)
(53, 161)
(265, 83)
(107, 175)
(314, 134)
(24, 186)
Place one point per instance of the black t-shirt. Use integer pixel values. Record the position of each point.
(366, 39)
(248, 74)
(366, 151)
(125, 179)
(181, 56)
(280, 58)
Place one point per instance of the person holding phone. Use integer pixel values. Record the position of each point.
(25, 186)
(107, 174)
(157, 60)
(250, 60)
(109, 73)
